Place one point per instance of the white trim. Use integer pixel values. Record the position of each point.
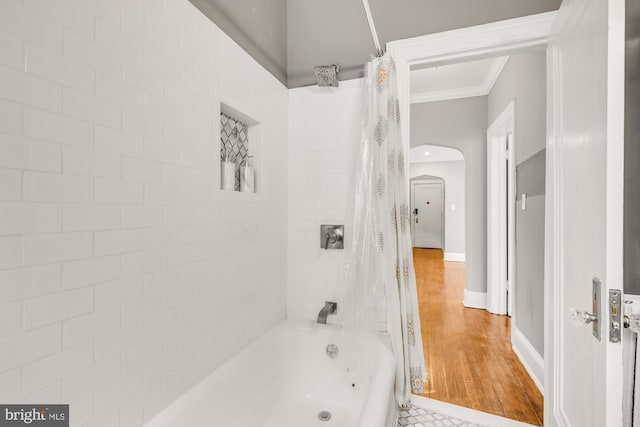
(553, 341)
(444, 95)
(454, 256)
(465, 92)
(501, 211)
(615, 199)
(504, 123)
(531, 30)
(496, 69)
(465, 414)
(475, 299)
(512, 254)
(529, 356)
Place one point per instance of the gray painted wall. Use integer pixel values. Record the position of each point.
(462, 124)
(632, 151)
(529, 291)
(258, 26)
(524, 79)
(452, 173)
(529, 294)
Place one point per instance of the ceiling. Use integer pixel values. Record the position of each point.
(290, 37)
(435, 154)
(461, 80)
(258, 26)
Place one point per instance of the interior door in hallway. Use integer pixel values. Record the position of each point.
(427, 215)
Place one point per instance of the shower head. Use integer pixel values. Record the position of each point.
(327, 75)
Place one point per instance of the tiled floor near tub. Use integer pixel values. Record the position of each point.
(420, 417)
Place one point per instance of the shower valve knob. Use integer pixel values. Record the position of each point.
(332, 236)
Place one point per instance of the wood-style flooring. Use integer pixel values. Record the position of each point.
(468, 355)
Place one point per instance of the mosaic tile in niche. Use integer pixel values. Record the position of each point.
(234, 142)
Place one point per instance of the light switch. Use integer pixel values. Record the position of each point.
(524, 202)
(453, 207)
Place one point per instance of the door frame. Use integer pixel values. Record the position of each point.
(501, 186)
(493, 39)
(505, 37)
(435, 180)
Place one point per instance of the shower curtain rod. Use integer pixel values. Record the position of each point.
(372, 27)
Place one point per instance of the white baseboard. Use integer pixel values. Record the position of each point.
(475, 299)
(454, 256)
(465, 414)
(530, 358)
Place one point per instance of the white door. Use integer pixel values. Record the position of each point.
(427, 215)
(583, 375)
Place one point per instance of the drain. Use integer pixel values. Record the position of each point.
(324, 415)
(332, 351)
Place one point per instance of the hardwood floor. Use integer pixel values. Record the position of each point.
(468, 355)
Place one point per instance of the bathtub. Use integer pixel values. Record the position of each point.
(286, 379)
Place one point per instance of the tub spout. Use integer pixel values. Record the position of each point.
(329, 308)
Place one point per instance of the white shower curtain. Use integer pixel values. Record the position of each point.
(383, 285)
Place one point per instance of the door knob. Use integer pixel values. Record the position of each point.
(632, 321)
(580, 317)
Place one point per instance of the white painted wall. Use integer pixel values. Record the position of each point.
(125, 274)
(324, 137)
(453, 175)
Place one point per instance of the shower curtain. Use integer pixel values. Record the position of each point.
(383, 285)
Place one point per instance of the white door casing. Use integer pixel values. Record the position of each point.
(501, 212)
(496, 225)
(585, 158)
(465, 44)
(428, 227)
(604, 402)
(511, 226)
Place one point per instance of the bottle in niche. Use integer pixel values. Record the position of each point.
(227, 173)
(247, 177)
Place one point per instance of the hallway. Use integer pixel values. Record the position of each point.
(469, 360)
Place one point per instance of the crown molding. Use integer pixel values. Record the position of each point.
(484, 89)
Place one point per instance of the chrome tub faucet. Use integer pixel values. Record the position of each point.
(329, 308)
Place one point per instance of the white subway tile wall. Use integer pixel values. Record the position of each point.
(324, 139)
(126, 275)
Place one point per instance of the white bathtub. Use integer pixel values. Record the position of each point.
(285, 379)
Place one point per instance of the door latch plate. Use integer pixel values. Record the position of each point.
(615, 313)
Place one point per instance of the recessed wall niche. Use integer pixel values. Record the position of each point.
(240, 151)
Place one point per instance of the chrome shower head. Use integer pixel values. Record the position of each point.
(327, 75)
